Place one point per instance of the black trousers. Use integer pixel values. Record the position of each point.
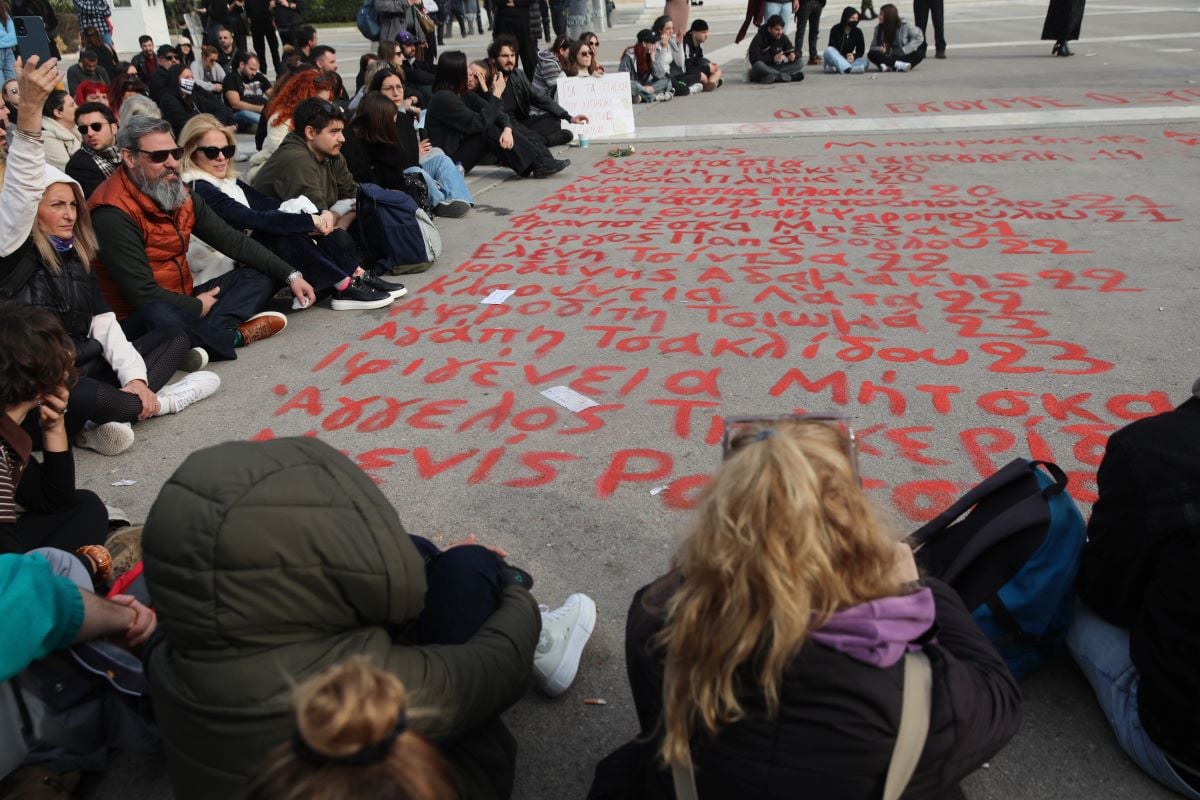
(515, 22)
(877, 57)
(547, 129)
(922, 9)
(526, 153)
(263, 33)
(83, 523)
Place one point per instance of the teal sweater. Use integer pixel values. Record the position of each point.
(40, 612)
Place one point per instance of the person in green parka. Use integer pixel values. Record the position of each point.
(271, 561)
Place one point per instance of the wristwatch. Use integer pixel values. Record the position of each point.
(292, 276)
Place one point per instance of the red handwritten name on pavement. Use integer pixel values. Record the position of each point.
(681, 285)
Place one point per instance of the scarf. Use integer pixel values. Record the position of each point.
(61, 245)
(107, 159)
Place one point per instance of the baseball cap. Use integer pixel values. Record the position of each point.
(646, 36)
(404, 37)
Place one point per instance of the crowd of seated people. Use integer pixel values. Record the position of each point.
(144, 254)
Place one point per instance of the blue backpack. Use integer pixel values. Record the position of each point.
(400, 237)
(1011, 548)
(368, 20)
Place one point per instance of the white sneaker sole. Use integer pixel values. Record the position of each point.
(562, 678)
(355, 305)
(195, 360)
(109, 439)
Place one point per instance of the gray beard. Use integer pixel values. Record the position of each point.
(169, 195)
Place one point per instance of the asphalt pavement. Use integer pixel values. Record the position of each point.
(989, 257)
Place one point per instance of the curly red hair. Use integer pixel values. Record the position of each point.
(297, 87)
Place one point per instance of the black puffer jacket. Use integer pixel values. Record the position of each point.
(834, 735)
(847, 38)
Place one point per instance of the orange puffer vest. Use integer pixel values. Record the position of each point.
(166, 237)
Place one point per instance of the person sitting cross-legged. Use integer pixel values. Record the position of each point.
(772, 57)
(896, 45)
(270, 562)
(144, 217)
(846, 53)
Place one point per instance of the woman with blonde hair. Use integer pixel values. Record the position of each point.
(304, 238)
(769, 662)
(46, 260)
(352, 739)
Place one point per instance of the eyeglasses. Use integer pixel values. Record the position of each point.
(211, 153)
(734, 425)
(392, 87)
(14, 90)
(159, 156)
(95, 127)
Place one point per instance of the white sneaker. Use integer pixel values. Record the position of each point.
(902, 66)
(196, 359)
(883, 67)
(696, 88)
(564, 633)
(109, 439)
(177, 396)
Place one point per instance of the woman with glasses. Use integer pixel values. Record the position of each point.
(301, 239)
(550, 65)
(384, 147)
(581, 61)
(466, 119)
(300, 84)
(592, 41)
(770, 661)
(121, 382)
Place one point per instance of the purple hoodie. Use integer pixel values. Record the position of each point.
(881, 631)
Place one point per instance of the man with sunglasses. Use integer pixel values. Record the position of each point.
(99, 157)
(144, 218)
(168, 57)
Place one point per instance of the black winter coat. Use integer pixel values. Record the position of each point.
(847, 42)
(451, 118)
(839, 746)
(1141, 566)
(382, 164)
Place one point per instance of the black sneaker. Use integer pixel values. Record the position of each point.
(380, 285)
(359, 296)
(452, 208)
(552, 167)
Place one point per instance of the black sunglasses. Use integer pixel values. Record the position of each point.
(211, 153)
(328, 109)
(160, 156)
(95, 127)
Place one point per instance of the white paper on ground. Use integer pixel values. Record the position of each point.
(569, 398)
(659, 489)
(498, 296)
(125, 482)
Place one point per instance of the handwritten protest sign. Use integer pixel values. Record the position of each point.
(606, 101)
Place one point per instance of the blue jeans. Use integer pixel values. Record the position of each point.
(247, 118)
(443, 179)
(8, 68)
(782, 9)
(1102, 652)
(836, 62)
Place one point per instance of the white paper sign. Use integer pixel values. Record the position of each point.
(606, 101)
(498, 296)
(568, 398)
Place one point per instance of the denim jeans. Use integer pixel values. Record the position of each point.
(660, 85)
(249, 119)
(443, 179)
(1102, 652)
(8, 68)
(836, 62)
(782, 9)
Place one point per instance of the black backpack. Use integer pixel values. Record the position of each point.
(1011, 548)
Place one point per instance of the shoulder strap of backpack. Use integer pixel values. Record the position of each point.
(1009, 472)
(1056, 472)
(915, 711)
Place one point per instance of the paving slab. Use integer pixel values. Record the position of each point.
(969, 283)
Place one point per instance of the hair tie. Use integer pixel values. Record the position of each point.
(765, 433)
(371, 754)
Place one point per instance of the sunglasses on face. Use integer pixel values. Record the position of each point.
(587, 53)
(736, 427)
(160, 156)
(211, 153)
(95, 127)
(328, 109)
(593, 44)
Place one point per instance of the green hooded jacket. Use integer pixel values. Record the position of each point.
(271, 561)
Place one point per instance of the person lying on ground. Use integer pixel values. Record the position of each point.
(144, 217)
(270, 562)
